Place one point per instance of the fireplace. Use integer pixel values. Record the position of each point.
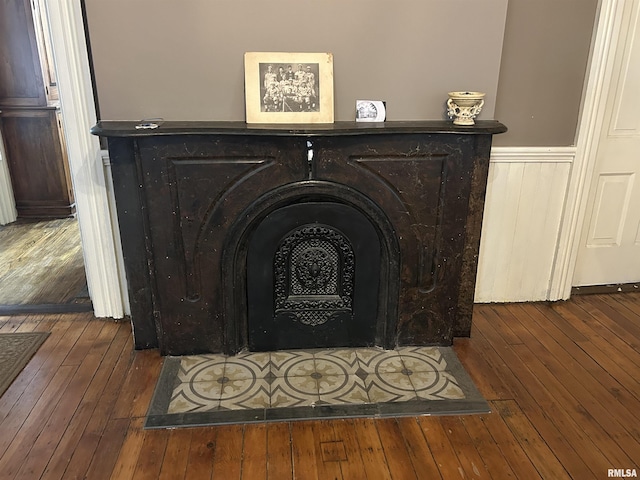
(263, 237)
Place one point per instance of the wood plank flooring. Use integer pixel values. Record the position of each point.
(562, 380)
(40, 262)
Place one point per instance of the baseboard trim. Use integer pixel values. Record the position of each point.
(600, 289)
(6, 310)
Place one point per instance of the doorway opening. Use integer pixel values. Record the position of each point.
(41, 262)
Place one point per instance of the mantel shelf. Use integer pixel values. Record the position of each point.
(128, 128)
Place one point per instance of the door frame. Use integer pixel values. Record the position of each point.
(8, 212)
(85, 160)
(598, 82)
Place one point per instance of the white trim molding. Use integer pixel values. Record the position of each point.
(533, 154)
(8, 212)
(85, 158)
(115, 228)
(597, 86)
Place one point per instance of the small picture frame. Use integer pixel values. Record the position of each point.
(370, 111)
(288, 87)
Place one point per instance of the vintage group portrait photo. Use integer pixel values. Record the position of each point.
(289, 87)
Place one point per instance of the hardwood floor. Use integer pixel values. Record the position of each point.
(562, 380)
(40, 262)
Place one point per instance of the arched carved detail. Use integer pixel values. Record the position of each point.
(235, 254)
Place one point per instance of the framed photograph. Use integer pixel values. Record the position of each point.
(370, 111)
(288, 87)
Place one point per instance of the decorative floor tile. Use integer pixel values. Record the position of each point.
(198, 367)
(259, 363)
(422, 359)
(376, 360)
(203, 390)
(342, 389)
(242, 369)
(246, 393)
(320, 383)
(390, 387)
(195, 397)
(294, 392)
(292, 363)
(298, 385)
(424, 381)
(433, 352)
(337, 361)
(436, 386)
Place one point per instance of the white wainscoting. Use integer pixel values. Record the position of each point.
(524, 205)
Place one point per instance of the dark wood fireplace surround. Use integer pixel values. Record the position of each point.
(191, 194)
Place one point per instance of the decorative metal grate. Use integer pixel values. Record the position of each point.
(314, 269)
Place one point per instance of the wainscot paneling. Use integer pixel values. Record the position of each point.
(524, 205)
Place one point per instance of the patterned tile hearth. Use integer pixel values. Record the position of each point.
(305, 384)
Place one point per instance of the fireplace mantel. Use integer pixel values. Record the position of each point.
(127, 129)
(190, 195)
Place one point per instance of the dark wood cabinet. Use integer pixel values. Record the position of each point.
(21, 83)
(30, 115)
(37, 162)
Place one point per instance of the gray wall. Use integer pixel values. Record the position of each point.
(183, 60)
(544, 61)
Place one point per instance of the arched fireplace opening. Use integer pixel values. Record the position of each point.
(311, 264)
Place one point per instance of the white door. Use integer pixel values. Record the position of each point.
(610, 245)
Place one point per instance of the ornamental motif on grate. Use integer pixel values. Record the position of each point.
(314, 268)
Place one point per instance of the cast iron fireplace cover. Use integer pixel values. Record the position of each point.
(313, 274)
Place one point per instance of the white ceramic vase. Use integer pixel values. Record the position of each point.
(463, 107)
